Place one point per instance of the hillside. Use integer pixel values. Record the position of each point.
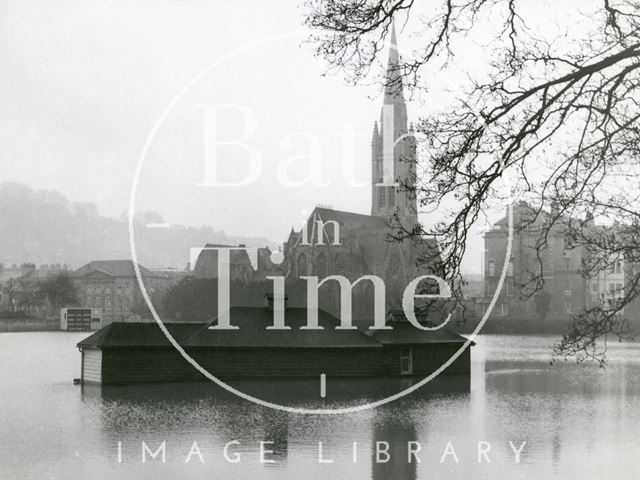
(39, 226)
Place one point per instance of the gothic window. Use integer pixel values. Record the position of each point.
(302, 265)
(340, 265)
(321, 266)
(406, 361)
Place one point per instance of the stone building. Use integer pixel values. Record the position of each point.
(334, 242)
(112, 287)
(364, 247)
(565, 290)
(240, 268)
(608, 283)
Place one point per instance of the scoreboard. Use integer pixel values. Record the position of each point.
(80, 319)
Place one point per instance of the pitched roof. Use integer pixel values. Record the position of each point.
(253, 333)
(122, 334)
(351, 220)
(404, 333)
(359, 223)
(206, 265)
(525, 213)
(114, 268)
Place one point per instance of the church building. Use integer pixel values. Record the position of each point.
(331, 242)
(334, 242)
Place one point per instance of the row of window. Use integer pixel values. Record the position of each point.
(103, 301)
(508, 288)
(492, 269)
(502, 309)
(613, 287)
(615, 267)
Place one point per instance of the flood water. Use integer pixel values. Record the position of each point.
(578, 422)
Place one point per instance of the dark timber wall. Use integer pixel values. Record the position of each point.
(164, 364)
(427, 358)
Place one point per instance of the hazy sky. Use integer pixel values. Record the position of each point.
(84, 81)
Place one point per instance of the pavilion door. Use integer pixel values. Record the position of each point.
(406, 361)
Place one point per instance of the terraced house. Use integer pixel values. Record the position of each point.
(566, 290)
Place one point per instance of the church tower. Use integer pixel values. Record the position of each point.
(393, 150)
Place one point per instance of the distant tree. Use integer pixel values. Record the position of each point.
(141, 308)
(22, 293)
(84, 209)
(59, 290)
(10, 290)
(147, 216)
(195, 299)
(191, 300)
(30, 298)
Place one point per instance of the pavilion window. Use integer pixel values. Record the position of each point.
(406, 361)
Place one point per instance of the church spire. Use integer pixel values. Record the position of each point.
(387, 200)
(393, 78)
(393, 87)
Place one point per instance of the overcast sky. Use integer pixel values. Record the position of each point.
(84, 81)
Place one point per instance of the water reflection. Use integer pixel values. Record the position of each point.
(278, 440)
(578, 422)
(213, 417)
(391, 441)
